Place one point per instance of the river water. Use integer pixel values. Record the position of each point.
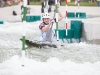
(70, 59)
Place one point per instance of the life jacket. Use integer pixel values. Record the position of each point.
(44, 35)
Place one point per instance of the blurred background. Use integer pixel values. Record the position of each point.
(4, 3)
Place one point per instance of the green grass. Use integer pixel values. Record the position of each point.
(35, 3)
(69, 4)
(63, 4)
(83, 4)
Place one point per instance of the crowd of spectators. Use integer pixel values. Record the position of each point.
(3, 3)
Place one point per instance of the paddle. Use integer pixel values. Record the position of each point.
(49, 34)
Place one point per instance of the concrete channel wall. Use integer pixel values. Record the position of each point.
(90, 29)
(6, 13)
(91, 32)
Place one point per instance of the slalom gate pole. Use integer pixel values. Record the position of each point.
(56, 6)
(78, 7)
(66, 17)
(75, 2)
(24, 32)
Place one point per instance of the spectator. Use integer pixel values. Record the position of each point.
(42, 4)
(50, 2)
(2, 3)
(98, 2)
(9, 2)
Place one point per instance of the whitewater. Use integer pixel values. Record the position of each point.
(71, 59)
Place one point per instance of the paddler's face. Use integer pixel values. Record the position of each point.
(46, 20)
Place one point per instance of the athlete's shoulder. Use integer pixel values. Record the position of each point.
(41, 25)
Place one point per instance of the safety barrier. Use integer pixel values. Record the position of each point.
(78, 15)
(75, 32)
(1, 22)
(33, 18)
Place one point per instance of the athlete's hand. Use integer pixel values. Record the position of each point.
(52, 21)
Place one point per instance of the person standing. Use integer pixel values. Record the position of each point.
(42, 6)
(98, 2)
(3, 3)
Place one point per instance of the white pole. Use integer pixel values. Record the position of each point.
(24, 32)
(78, 8)
(66, 17)
(75, 2)
(56, 5)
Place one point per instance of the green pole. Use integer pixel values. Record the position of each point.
(56, 6)
(24, 20)
(24, 32)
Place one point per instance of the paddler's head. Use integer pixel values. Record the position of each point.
(46, 17)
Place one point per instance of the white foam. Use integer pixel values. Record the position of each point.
(52, 67)
(10, 33)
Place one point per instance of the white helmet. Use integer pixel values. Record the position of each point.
(46, 15)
